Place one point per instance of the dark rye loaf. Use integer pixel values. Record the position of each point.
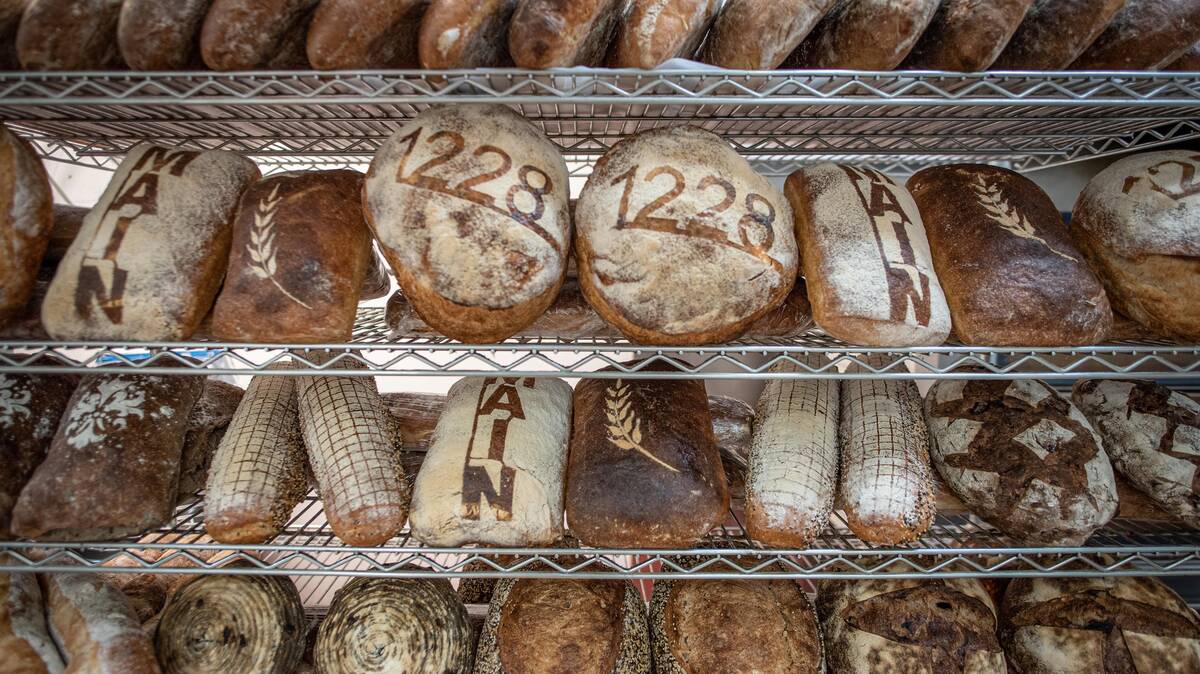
(760, 34)
(256, 34)
(864, 35)
(30, 408)
(1144, 35)
(1055, 32)
(966, 35)
(70, 35)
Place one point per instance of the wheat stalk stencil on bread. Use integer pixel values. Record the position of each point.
(624, 428)
(1003, 213)
(262, 243)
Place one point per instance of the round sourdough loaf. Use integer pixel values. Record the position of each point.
(157, 35)
(470, 207)
(680, 241)
(365, 34)
(466, 34)
(1138, 224)
(777, 27)
(26, 219)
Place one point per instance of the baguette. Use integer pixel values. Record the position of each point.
(95, 628)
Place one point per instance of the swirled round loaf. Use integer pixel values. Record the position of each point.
(679, 241)
(470, 207)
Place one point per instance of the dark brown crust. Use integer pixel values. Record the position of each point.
(623, 498)
(562, 33)
(1055, 32)
(67, 221)
(778, 26)
(206, 426)
(482, 30)
(253, 34)
(1189, 62)
(26, 219)
(561, 626)
(302, 284)
(376, 282)
(157, 35)
(967, 35)
(10, 21)
(864, 35)
(70, 35)
(365, 34)
(27, 423)
(679, 26)
(1144, 35)
(1005, 288)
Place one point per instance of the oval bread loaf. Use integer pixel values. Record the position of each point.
(1055, 32)
(563, 33)
(778, 27)
(654, 31)
(25, 643)
(31, 406)
(864, 35)
(70, 35)
(26, 219)
(365, 34)
(10, 23)
(157, 35)
(1144, 35)
(966, 35)
(256, 34)
(94, 627)
(466, 34)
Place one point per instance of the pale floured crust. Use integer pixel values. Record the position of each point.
(865, 35)
(761, 34)
(157, 35)
(1023, 458)
(25, 643)
(793, 464)
(1144, 35)
(252, 34)
(866, 258)
(495, 467)
(679, 241)
(657, 30)
(563, 33)
(466, 34)
(365, 34)
(94, 627)
(150, 256)
(69, 35)
(966, 35)
(1152, 435)
(25, 222)
(470, 207)
(1055, 32)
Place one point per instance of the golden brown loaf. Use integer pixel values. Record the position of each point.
(469, 204)
(151, 254)
(25, 643)
(1138, 224)
(466, 34)
(94, 627)
(1144, 35)
(300, 252)
(256, 34)
(122, 430)
(25, 223)
(1005, 260)
(157, 35)
(1055, 32)
(365, 34)
(562, 33)
(778, 27)
(864, 35)
(654, 31)
(564, 625)
(69, 35)
(966, 35)
(679, 241)
(30, 408)
(866, 258)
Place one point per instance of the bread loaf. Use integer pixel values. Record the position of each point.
(376, 283)
(68, 220)
(69, 35)
(150, 256)
(482, 258)
(10, 21)
(394, 625)
(415, 415)
(495, 466)
(793, 466)
(1055, 32)
(30, 408)
(206, 427)
(157, 35)
(655, 31)
(563, 33)
(146, 593)
(1099, 625)
(226, 624)
(25, 644)
(761, 34)
(711, 626)
(882, 626)
(352, 450)
(258, 474)
(365, 34)
(1005, 260)
(643, 471)
(1152, 436)
(866, 259)
(568, 625)
(466, 34)
(1144, 35)
(256, 34)
(1021, 457)
(885, 485)
(732, 425)
(25, 205)
(94, 627)
(1138, 224)
(1189, 62)
(967, 35)
(300, 252)
(864, 35)
(679, 241)
(122, 430)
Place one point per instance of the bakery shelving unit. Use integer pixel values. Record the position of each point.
(896, 122)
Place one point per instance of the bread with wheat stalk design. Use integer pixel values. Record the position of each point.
(624, 426)
(1003, 213)
(262, 243)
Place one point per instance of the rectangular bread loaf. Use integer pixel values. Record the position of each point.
(495, 466)
(150, 255)
(113, 466)
(30, 408)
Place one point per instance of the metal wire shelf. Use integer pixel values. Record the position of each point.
(894, 120)
(958, 545)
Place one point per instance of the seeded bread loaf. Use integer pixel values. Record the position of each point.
(1144, 35)
(25, 643)
(654, 31)
(365, 34)
(864, 35)
(967, 35)
(563, 33)
(256, 34)
(466, 34)
(778, 26)
(30, 408)
(1055, 32)
(69, 35)
(157, 35)
(25, 223)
